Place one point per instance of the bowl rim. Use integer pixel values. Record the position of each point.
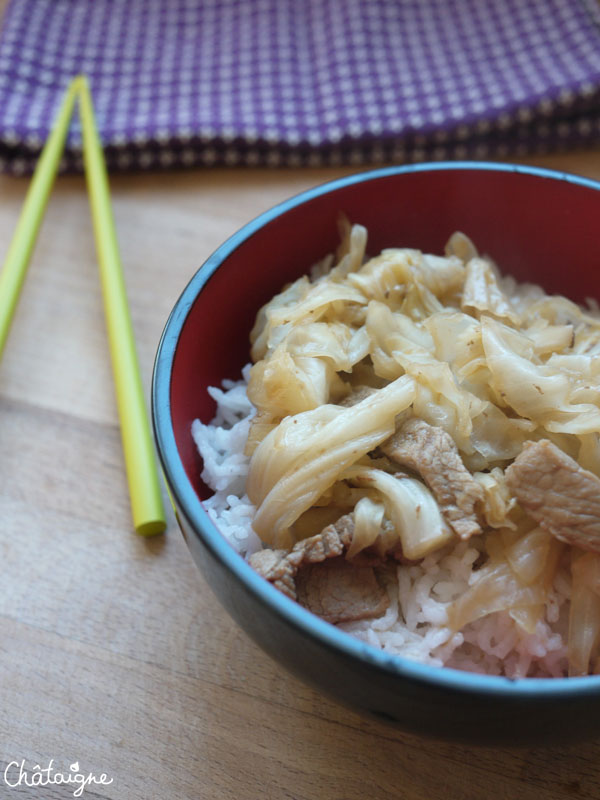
(203, 527)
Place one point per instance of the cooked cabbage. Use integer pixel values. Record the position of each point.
(345, 357)
(307, 452)
(417, 522)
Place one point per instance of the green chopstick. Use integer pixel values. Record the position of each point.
(23, 241)
(140, 461)
(138, 448)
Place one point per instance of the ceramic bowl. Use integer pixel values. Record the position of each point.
(540, 226)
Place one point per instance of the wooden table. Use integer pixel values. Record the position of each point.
(113, 651)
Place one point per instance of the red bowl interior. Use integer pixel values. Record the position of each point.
(536, 226)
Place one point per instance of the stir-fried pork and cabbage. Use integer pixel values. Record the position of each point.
(408, 401)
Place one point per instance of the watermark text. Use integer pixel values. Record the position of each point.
(17, 774)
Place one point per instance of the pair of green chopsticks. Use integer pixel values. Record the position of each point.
(144, 486)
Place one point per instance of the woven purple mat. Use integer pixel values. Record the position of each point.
(294, 82)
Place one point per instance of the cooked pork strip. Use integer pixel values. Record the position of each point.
(562, 497)
(339, 591)
(431, 452)
(276, 567)
(280, 567)
(342, 594)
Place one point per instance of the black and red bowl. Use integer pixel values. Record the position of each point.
(539, 226)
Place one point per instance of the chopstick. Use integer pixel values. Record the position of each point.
(140, 461)
(23, 241)
(138, 448)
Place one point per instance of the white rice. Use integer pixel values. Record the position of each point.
(415, 624)
(221, 445)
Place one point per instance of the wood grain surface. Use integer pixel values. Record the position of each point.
(113, 651)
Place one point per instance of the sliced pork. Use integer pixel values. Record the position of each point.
(339, 591)
(315, 574)
(562, 497)
(431, 452)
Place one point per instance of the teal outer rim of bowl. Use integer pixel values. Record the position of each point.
(190, 504)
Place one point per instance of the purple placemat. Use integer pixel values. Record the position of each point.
(294, 82)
